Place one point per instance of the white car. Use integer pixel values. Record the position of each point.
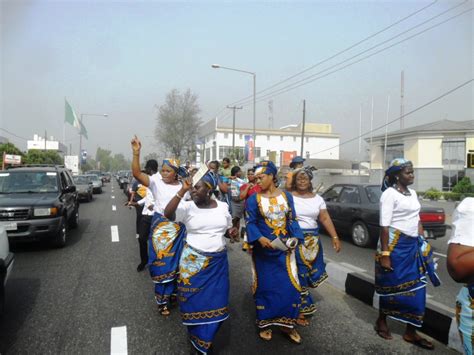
(6, 266)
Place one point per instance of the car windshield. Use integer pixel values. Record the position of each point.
(373, 193)
(81, 180)
(28, 182)
(93, 178)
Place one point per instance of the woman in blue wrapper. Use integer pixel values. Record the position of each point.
(270, 218)
(203, 285)
(404, 259)
(310, 208)
(166, 238)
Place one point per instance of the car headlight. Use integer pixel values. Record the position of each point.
(44, 212)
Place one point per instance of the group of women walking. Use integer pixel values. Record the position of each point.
(188, 255)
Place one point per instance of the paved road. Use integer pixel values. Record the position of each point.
(71, 300)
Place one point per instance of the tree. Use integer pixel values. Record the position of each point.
(150, 156)
(103, 156)
(178, 122)
(464, 186)
(35, 156)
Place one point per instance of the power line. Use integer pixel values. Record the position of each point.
(312, 77)
(13, 134)
(398, 118)
(342, 51)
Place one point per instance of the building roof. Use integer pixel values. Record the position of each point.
(443, 126)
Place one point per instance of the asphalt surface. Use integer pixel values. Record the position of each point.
(363, 259)
(70, 300)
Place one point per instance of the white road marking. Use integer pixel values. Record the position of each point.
(112, 196)
(439, 254)
(353, 267)
(115, 233)
(118, 341)
(114, 208)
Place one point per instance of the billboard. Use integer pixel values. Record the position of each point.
(249, 148)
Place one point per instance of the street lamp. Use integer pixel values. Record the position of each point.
(80, 132)
(217, 66)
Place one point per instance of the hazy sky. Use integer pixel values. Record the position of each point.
(122, 58)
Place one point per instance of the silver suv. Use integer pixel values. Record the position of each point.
(6, 265)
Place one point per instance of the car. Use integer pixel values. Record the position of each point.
(106, 177)
(123, 178)
(38, 202)
(354, 210)
(99, 175)
(84, 187)
(96, 183)
(6, 265)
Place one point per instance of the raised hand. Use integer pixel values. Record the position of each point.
(136, 144)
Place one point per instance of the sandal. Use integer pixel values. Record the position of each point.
(383, 333)
(266, 334)
(420, 342)
(302, 322)
(293, 335)
(164, 311)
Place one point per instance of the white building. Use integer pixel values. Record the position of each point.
(39, 143)
(279, 145)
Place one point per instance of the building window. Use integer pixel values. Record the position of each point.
(226, 135)
(307, 139)
(454, 154)
(307, 155)
(294, 138)
(257, 152)
(268, 138)
(240, 136)
(393, 151)
(281, 138)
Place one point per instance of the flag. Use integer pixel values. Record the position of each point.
(71, 118)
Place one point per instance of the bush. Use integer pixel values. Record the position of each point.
(433, 194)
(464, 186)
(452, 196)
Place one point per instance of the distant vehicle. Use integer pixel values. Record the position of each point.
(38, 203)
(96, 183)
(84, 187)
(123, 177)
(106, 177)
(354, 210)
(99, 175)
(6, 266)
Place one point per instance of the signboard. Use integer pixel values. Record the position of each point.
(83, 156)
(71, 162)
(11, 159)
(249, 148)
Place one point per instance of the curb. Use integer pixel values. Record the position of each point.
(439, 321)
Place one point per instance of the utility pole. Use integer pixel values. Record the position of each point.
(233, 108)
(303, 126)
(402, 97)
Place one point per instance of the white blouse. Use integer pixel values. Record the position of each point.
(307, 210)
(463, 223)
(162, 192)
(205, 226)
(400, 211)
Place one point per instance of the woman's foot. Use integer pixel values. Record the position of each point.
(266, 334)
(415, 339)
(164, 311)
(292, 334)
(382, 330)
(302, 321)
(141, 267)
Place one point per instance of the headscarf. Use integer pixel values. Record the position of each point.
(266, 167)
(396, 165)
(172, 163)
(308, 170)
(210, 179)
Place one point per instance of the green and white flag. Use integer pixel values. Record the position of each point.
(71, 118)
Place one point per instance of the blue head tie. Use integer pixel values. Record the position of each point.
(172, 163)
(266, 167)
(210, 179)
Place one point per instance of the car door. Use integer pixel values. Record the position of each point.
(349, 206)
(67, 197)
(331, 197)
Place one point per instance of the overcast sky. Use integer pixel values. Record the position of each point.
(122, 58)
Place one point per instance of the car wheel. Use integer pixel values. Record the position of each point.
(360, 234)
(100, 190)
(74, 221)
(61, 234)
(89, 197)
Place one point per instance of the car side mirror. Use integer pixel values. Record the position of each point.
(70, 188)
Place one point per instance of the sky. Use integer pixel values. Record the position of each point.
(122, 58)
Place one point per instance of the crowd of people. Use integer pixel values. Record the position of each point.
(185, 215)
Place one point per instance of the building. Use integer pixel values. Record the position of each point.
(280, 145)
(438, 151)
(39, 143)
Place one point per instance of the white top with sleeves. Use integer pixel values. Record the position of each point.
(463, 223)
(162, 192)
(147, 201)
(307, 210)
(400, 211)
(205, 227)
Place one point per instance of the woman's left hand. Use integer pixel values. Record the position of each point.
(233, 232)
(336, 244)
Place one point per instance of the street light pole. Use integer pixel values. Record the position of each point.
(233, 108)
(80, 133)
(217, 66)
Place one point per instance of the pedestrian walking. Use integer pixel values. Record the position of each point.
(404, 259)
(271, 225)
(296, 163)
(247, 190)
(310, 208)
(237, 205)
(203, 285)
(166, 238)
(137, 192)
(460, 264)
